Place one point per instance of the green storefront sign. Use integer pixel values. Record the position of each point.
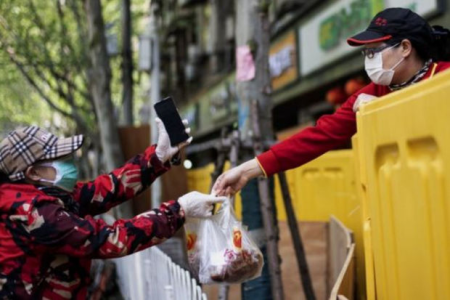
(347, 22)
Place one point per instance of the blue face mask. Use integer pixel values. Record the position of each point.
(66, 174)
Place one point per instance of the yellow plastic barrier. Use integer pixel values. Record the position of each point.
(365, 248)
(404, 139)
(324, 187)
(200, 179)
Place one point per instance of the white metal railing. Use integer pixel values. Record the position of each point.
(151, 274)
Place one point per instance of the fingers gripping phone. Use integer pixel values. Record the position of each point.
(168, 113)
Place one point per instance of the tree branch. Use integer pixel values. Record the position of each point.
(31, 81)
(48, 63)
(75, 116)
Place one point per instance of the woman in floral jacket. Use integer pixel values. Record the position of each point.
(48, 235)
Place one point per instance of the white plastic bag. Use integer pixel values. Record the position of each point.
(220, 249)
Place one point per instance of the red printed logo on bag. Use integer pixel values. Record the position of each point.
(237, 238)
(191, 239)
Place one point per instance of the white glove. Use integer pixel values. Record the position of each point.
(164, 151)
(361, 100)
(198, 205)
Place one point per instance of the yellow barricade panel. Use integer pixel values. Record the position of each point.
(365, 278)
(200, 179)
(405, 141)
(327, 186)
(322, 187)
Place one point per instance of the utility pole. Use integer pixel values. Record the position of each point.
(155, 93)
(252, 31)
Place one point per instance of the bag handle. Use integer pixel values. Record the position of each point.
(224, 213)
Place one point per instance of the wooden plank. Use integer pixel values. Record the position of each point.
(344, 287)
(341, 272)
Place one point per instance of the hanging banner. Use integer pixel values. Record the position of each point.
(322, 38)
(244, 64)
(283, 61)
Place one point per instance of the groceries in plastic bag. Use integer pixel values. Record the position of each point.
(220, 249)
(191, 228)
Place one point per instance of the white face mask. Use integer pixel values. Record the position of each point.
(375, 71)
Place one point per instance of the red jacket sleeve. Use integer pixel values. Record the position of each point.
(109, 190)
(330, 132)
(52, 229)
(442, 66)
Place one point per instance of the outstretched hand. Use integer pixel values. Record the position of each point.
(198, 205)
(232, 181)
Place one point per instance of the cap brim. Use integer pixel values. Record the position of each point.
(65, 146)
(367, 37)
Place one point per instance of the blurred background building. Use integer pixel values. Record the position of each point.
(313, 69)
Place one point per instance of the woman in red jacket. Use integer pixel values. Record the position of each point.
(400, 49)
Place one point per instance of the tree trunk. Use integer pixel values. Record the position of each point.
(100, 75)
(252, 29)
(127, 64)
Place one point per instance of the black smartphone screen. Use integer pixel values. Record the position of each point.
(168, 113)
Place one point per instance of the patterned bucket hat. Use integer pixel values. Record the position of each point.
(25, 146)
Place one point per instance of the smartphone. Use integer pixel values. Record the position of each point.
(168, 113)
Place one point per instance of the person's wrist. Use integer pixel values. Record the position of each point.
(251, 169)
(182, 204)
(160, 155)
(183, 209)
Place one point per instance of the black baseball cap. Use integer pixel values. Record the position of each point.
(394, 24)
